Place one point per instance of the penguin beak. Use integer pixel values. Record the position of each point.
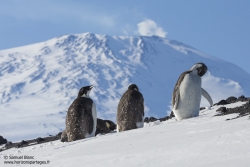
(91, 86)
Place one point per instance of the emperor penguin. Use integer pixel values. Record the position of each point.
(130, 111)
(187, 93)
(104, 126)
(81, 117)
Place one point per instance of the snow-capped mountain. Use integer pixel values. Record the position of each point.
(39, 82)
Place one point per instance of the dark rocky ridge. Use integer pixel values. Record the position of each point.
(243, 110)
(153, 119)
(232, 99)
(25, 143)
(101, 128)
(2, 140)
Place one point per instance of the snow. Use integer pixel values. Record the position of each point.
(38, 82)
(205, 141)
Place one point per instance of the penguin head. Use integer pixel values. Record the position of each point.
(201, 69)
(133, 87)
(84, 91)
(108, 125)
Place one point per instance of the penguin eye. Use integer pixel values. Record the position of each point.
(136, 89)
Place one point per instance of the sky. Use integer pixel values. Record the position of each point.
(216, 27)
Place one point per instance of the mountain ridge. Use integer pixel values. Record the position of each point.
(39, 81)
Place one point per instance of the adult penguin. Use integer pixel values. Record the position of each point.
(81, 117)
(130, 111)
(104, 126)
(187, 93)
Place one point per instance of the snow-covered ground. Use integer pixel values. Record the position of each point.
(201, 141)
(38, 82)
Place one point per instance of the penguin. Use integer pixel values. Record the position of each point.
(81, 117)
(130, 111)
(104, 126)
(187, 93)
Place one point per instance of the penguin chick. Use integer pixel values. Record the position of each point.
(81, 117)
(130, 111)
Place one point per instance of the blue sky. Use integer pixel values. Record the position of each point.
(216, 27)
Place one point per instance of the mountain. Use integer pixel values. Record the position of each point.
(38, 82)
(206, 140)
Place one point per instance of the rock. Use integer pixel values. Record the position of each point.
(222, 109)
(152, 119)
(222, 102)
(146, 120)
(2, 140)
(22, 143)
(59, 134)
(242, 98)
(231, 99)
(39, 140)
(8, 144)
(241, 110)
(172, 114)
(202, 108)
(25, 143)
(164, 118)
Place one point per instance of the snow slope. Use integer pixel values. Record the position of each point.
(38, 82)
(201, 141)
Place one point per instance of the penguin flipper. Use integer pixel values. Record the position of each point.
(207, 96)
(89, 119)
(176, 98)
(176, 92)
(141, 102)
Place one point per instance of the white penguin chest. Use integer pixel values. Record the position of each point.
(190, 91)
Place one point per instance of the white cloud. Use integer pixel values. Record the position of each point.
(220, 88)
(149, 28)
